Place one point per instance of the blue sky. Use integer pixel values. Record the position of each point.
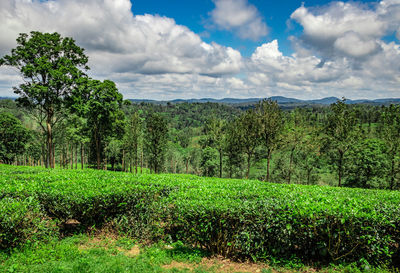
(222, 48)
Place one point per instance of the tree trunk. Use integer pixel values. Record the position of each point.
(392, 173)
(123, 160)
(340, 167)
(220, 163)
(82, 156)
(248, 166)
(141, 162)
(98, 156)
(268, 163)
(290, 165)
(49, 135)
(72, 156)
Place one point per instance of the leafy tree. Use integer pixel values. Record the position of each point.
(233, 148)
(215, 132)
(132, 139)
(51, 67)
(341, 134)
(271, 123)
(209, 163)
(249, 124)
(156, 140)
(113, 151)
(13, 137)
(368, 165)
(390, 132)
(104, 116)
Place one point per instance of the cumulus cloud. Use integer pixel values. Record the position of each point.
(341, 52)
(118, 41)
(347, 29)
(240, 17)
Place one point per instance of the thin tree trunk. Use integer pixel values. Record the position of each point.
(98, 156)
(141, 162)
(220, 163)
(76, 157)
(72, 156)
(290, 165)
(340, 167)
(248, 166)
(49, 132)
(123, 160)
(268, 162)
(82, 157)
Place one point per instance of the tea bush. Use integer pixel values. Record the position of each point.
(235, 218)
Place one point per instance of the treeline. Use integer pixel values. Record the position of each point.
(64, 118)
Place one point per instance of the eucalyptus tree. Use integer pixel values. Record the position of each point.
(390, 132)
(156, 137)
(50, 66)
(341, 132)
(215, 132)
(132, 139)
(271, 123)
(249, 135)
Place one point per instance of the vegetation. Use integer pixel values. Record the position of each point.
(356, 146)
(235, 218)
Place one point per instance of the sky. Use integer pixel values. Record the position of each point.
(164, 50)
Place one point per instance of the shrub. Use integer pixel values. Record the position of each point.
(22, 221)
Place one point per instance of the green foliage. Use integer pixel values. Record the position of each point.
(341, 134)
(209, 161)
(104, 116)
(156, 140)
(235, 218)
(51, 68)
(368, 165)
(13, 137)
(22, 221)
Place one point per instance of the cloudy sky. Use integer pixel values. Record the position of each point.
(157, 49)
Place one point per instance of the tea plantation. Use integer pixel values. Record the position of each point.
(241, 219)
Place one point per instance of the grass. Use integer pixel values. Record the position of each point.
(82, 253)
(105, 253)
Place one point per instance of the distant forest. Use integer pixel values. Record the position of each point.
(354, 145)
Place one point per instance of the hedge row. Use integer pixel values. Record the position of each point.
(234, 218)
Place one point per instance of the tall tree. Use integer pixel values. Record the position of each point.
(51, 67)
(271, 123)
(390, 132)
(341, 133)
(105, 118)
(132, 139)
(249, 124)
(233, 148)
(215, 131)
(156, 140)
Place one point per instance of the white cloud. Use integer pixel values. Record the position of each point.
(341, 52)
(115, 40)
(240, 17)
(347, 29)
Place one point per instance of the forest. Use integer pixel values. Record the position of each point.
(340, 145)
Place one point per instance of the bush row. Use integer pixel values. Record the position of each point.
(234, 218)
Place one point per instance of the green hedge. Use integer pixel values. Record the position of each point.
(234, 218)
(22, 221)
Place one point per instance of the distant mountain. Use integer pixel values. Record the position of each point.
(324, 101)
(279, 99)
(284, 101)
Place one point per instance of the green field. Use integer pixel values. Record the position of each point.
(239, 219)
